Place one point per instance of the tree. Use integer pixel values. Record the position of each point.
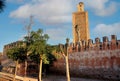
(2, 5)
(0, 67)
(64, 50)
(27, 43)
(17, 54)
(38, 43)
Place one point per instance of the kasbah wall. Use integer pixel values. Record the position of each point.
(99, 60)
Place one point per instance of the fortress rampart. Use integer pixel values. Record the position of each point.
(11, 45)
(99, 59)
(98, 45)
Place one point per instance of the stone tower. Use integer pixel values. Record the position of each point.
(80, 24)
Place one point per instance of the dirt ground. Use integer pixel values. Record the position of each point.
(46, 78)
(60, 78)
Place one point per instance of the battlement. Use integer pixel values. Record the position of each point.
(106, 44)
(11, 45)
(100, 59)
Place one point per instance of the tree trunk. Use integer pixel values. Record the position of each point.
(40, 71)
(67, 68)
(25, 68)
(15, 70)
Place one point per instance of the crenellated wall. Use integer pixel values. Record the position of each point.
(98, 45)
(100, 60)
(105, 64)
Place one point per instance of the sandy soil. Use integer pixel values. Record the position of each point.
(60, 78)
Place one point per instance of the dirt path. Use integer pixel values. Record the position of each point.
(46, 78)
(60, 78)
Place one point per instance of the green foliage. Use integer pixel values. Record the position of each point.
(58, 56)
(16, 53)
(58, 48)
(2, 5)
(36, 58)
(45, 59)
(57, 52)
(37, 46)
(49, 51)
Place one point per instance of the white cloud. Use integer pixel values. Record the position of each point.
(60, 11)
(56, 33)
(101, 7)
(59, 34)
(48, 12)
(106, 30)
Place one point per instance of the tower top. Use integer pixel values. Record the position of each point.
(80, 7)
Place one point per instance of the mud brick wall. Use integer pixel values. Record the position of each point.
(99, 59)
(100, 64)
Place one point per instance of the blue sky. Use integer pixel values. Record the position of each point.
(55, 18)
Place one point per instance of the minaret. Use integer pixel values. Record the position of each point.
(80, 24)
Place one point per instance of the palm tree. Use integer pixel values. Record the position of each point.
(38, 43)
(2, 5)
(17, 54)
